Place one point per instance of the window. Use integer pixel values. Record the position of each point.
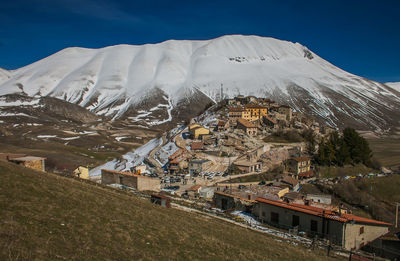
(263, 214)
(295, 220)
(274, 217)
(361, 230)
(314, 225)
(120, 179)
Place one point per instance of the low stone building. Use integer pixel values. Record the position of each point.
(248, 127)
(161, 200)
(227, 201)
(320, 198)
(287, 111)
(178, 160)
(194, 191)
(198, 165)
(128, 179)
(270, 122)
(207, 193)
(348, 231)
(197, 145)
(36, 163)
(248, 166)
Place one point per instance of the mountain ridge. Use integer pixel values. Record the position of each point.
(115, 80)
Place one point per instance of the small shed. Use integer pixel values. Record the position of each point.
(161, 200)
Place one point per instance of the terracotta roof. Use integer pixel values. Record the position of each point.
(197, 145)
(160, 196)
(236, 109)
(246, 123)
(270, 119)
(178, 153)
(290, 180)
(221, 123)
(303, 158)
(255, 106)
(345, 218)
(194, 188)
(306, 174)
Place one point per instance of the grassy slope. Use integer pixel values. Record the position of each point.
(48, 217)
(386, 150)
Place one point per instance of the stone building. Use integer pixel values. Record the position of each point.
(248, 166)
(37, 163)
(249, 128)
(255, 112)
(198, 165)
(300, 167)
(348, 231)
(128, 179)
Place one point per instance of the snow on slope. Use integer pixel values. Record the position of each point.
(111, 80)
(395, 85)
(4, 75)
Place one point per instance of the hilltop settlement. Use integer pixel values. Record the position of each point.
(245, 159)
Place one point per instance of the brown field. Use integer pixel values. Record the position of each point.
(49, 217)
(386, 150)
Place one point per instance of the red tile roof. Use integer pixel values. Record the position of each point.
(303, 158)
(195, 188)
(255, 106)
(270, 119)
(197, 145)
(306, 174)
(345, 218)
(236, 109)
(246, 123)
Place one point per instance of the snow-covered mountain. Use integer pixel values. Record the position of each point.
(4, 75)
(136, 81)
(395, 85)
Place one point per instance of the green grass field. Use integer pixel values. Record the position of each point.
(49, 217)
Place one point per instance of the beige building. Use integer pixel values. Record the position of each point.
(128, 179)
(81, 172)
(287, 111)
(348, 231)
(249, 128)
(255, 112)
(199, 131)
(37, 163)
(300, 167)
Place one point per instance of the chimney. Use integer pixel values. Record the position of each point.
(340, 209)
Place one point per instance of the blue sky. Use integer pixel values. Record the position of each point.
(362, 37)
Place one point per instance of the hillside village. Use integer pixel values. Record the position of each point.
(202, 162)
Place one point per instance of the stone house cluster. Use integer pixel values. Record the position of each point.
(252, 114)
(313, 214)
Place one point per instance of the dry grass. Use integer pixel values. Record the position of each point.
(48, 217)
(386, 150)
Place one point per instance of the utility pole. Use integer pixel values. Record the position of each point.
(397, 214)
